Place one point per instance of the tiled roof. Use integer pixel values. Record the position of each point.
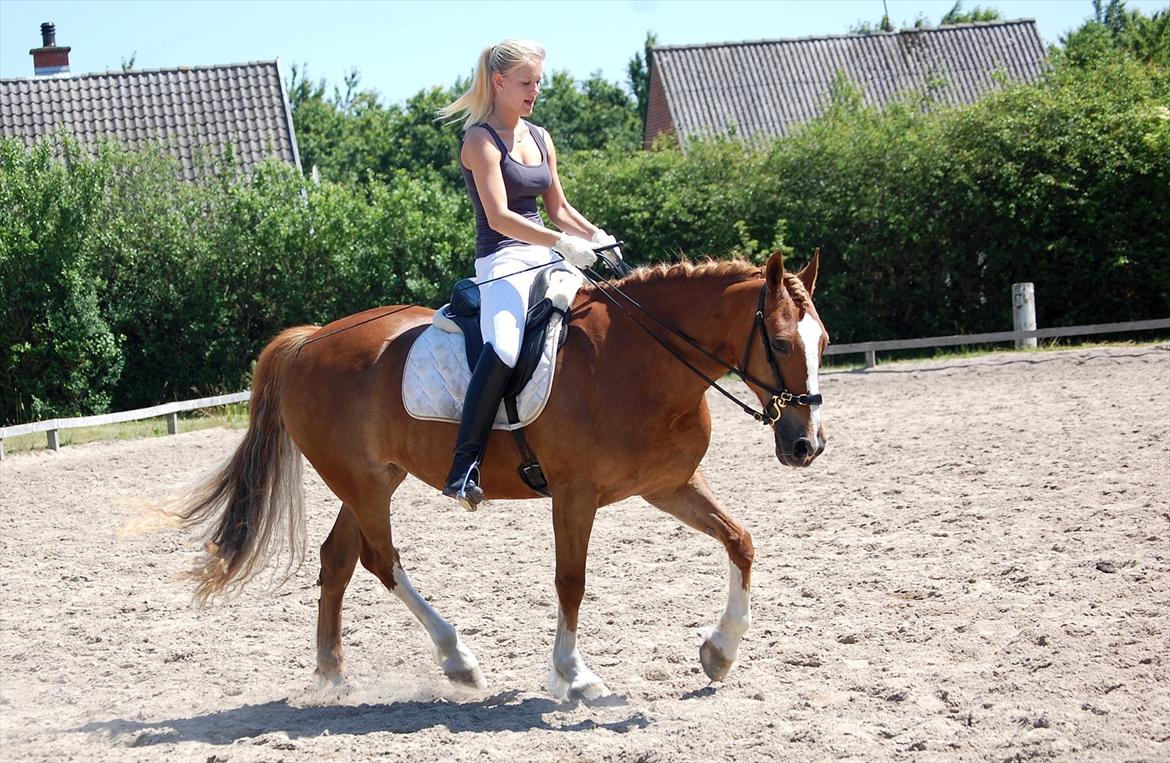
(768, 86)
(189, 110)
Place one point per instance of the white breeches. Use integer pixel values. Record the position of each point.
(504, 303)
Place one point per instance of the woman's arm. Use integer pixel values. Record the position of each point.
(560, 211)
(480, 155)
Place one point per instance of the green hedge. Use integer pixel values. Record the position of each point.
(58, 355)
(123, 286)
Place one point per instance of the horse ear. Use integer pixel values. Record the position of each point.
(808, 274)
(774, 273)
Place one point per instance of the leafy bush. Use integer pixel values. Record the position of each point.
(58, 355)
(124, 285)
(927, 216)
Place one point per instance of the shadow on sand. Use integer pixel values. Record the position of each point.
(499, 712)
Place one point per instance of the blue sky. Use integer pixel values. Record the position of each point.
(402, 47)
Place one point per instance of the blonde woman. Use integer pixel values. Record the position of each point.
(507, 163)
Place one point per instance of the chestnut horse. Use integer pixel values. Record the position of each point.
(626, 418)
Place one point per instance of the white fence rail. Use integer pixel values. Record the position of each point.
(171, 410)
(870, 349)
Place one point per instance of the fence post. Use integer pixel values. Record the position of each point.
(1024, 313)
(1, 450)
(870, 358)
(54, 442)
(172, 423)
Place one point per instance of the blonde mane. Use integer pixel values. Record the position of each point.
(686, 269)
(714, 268)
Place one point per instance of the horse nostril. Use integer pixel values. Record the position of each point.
(803, 448)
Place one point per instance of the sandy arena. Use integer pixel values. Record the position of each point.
(977, 568)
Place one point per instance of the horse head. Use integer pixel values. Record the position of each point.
(794, 338)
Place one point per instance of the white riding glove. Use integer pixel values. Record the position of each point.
(601, 238)
(576, 250)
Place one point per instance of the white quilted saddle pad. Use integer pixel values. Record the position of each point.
(435, 379)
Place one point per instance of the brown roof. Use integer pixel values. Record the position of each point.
(768, 86)
(188, 110)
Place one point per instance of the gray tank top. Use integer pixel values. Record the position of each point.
(522, 182)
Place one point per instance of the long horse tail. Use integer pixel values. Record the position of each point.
(256, 496)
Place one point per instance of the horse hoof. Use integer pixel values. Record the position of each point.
(590, 692)
(333, 678)
(470, 679)
(715, 663)
(579, 686)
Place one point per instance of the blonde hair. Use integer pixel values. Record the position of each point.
(476, 104)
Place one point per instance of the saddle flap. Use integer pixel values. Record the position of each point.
(437, 372)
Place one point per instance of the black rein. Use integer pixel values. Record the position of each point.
(781, 397)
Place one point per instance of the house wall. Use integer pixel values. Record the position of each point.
(658, 119)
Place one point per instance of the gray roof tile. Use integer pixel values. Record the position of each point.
(766, 87)
(188, 110)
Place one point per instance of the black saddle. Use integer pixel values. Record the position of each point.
(463, 310)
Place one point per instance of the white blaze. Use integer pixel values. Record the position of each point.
(810, 335)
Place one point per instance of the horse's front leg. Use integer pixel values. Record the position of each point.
(696, 507)
(572, 524)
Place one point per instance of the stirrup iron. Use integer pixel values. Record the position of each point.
(470, 494)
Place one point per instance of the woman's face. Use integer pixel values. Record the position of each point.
(517, 90)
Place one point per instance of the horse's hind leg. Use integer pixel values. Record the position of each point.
(696, 507)
(379, 556)
(339, 555)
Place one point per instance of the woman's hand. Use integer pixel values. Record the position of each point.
(576, 250)
(601, 238)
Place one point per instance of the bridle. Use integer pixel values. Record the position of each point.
(781, 396)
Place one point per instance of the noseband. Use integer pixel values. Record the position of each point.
(781, 397)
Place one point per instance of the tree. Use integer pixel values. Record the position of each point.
(866, 27)
(956, 15)
(1149, 39)
(318, 122)
(590, 115)
(1117, 29)
(58, 356)
(638, 73)
(352, 137)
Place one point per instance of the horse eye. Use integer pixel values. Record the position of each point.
(781, 346)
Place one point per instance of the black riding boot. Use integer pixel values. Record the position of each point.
(484, 392)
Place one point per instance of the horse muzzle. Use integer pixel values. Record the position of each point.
(802, 451)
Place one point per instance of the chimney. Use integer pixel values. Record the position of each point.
(49, 59)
